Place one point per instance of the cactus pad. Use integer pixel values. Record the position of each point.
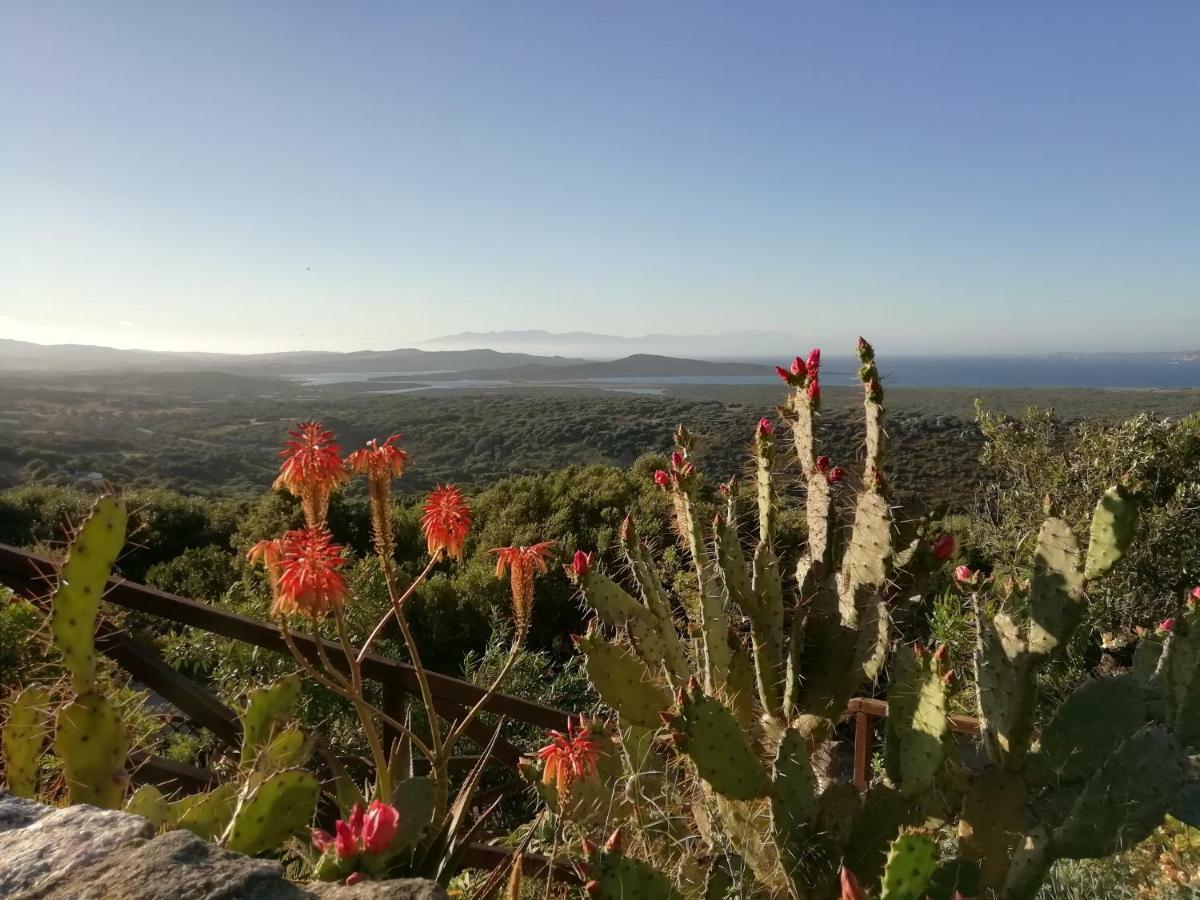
(624, 682)
(1113, 525)
(614, 876)
(415, 798)
(92, 744)
(1056, 589)
(910, 866)
(617, 608)
(149, 803)
(281, 806)
(1126, 799)
(1092, 722)
(23, 738)
(917, 722)
(206, 815)
(707, 732)
(265, 709)
(76, 601)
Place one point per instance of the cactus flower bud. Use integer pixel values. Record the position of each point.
(661, 478)
(613, 844)
(943, 547)
(667, 716)
(813, 364)
(822, 463)
(676, 460)
(814, 391)
(593, 888)
(966, 575)
(1166, 625)
(799, 369)
(693, 685)
(765, 428)
(354, 878)
(836, 474)
(784, 375)
(628, 533)
(851, 889)
(918, 649)
(581, 564)
(1194, 596)
(950, 678)
(321, 840)
(941, 653)
(587, 846)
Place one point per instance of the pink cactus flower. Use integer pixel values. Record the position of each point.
(765, 427)
(1166, 625)
(966, 575)
(784, 375)
(661, 478)
(321, 840)
(345, 844)
(943, 547)
(379, 827)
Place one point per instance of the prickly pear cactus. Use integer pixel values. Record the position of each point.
(267, 708)
(911, 862)
(280, 807)
(92, 744)
(81, 582)
(24, 737)
(613, 876)
(149, 803)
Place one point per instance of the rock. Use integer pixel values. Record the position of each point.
(84, 853)
(54, 846)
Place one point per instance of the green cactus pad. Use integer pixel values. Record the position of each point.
(793, 798)
(24, 737)
(614, 876)
(624, 682)
(265, 709)
(149, 803)
(1056, 588)
(282, 805)
(1181, 678)
(910, 865)
(1113, 525)
(659, 604)
(868, 558)
(618, 609)
(415, 798)
(92, 744)
(1126, 799)
(287, 750)
(1007, 692)
(709, 734)
(1095, 719)
(994, 817)
(917, 722)
(205, 815)
(732, 565)
(76, 601)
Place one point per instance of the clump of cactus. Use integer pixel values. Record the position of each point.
(725, 700)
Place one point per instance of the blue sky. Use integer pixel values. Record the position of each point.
(939, 175)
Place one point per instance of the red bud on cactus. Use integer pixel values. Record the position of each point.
(822, 463)
(943, 547)
(765, 428)
(836, 474)
(851, 889)
(661, 478)
(966, 575)
(676, 460)
(784, 375)
(799, 369)
(667, 716)
(950, 678)
(814, 391)
(688, 471)
(593, 888)
(1194, 596)
(354, 878)
(814, 362)
(581, 564)
(693, 685)
(628, 533)
(941, 653)
(613, 844)
(587, 846)
(1166, 625)
(918, 649)
(576, 638)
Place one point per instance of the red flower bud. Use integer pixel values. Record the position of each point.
(661, 478)
(593, 888)
(949, 678)
(321, 840)
(851, 889)
(784, 375)
(941, 653)
(1167, 625)
(765, 428)
(835, 475)
(676, 460)
(799, 369)
(814, 390)
(588, 847)
(354, 878)
(613, 844)
(1194, 596)
(581, 564)
(822, 463)
(943, 547)
(966, 575)
(814, 361)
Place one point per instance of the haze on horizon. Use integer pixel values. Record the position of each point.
(290, 175)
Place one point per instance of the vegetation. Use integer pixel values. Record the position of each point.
(714, 662)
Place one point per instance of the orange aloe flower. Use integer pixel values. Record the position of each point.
(446, 522)
(311, 469)
(569, 756)
(380, 462)
(524, 564)
(308, 580)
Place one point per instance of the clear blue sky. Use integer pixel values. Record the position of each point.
(939, 175)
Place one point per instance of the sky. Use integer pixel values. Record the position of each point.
(942, 175)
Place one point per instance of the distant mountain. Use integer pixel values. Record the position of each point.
(744, 344)
(25, 356)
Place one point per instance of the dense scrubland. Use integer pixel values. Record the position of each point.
(196, 456)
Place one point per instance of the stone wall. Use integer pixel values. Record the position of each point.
(84, 853)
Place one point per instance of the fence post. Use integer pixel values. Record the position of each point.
(862, 748)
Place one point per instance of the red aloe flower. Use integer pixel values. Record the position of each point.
(569, 756)
(446, 522)
(378, 460)
(943, 547)
(309, 582)
(311, 469)
(524, 564)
